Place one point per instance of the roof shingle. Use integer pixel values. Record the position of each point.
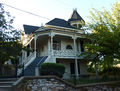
(60, 23)
(30, 29)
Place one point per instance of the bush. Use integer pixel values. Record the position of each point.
(111, 71)
(52, 69)
(9, 70)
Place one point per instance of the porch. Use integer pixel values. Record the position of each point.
(55, 45)
(70, 68)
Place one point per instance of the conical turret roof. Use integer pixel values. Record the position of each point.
(75, 16)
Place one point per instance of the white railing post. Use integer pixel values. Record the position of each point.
(35, 39)
(37, 71)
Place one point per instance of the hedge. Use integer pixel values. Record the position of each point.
(52, 69)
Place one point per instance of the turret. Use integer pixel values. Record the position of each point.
(76, 20)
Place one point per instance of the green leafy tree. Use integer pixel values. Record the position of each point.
(10, 46)
(104, 39)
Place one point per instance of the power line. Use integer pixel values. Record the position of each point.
(26, 11)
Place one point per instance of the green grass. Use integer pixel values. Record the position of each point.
(88, 81)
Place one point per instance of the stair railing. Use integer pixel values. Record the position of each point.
(48, 59)
(37, 67)
(40, 61)
(29, 59)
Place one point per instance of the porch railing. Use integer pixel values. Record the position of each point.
(65, 53)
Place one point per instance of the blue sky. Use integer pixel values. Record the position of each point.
(52, 9)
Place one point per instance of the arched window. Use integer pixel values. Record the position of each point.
(69, 47)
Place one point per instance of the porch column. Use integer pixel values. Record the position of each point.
(51, 42)
(30, 46)
(76, 63)
(35, 39)
(49, 46)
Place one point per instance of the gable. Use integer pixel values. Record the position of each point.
(30, 29)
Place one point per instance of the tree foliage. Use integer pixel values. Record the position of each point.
(105, 36)
(10, 46)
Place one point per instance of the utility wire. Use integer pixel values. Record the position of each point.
(26, 11)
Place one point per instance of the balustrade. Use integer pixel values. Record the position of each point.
(64, 53)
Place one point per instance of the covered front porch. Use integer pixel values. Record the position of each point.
(54, 45)
(70, 67)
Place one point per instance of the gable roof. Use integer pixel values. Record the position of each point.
(30, 29)
(60, 23)
(75, 16)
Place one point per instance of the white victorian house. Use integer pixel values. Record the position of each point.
(59, 41)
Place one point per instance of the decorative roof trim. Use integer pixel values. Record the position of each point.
(61, 27)
(28, 41)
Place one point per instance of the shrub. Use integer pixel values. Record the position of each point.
(52, 69)
(111, 71)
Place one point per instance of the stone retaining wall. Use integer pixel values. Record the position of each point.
(47, 85)
(53, 83)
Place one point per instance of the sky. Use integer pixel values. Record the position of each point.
(51, 9)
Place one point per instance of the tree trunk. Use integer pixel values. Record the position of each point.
(2, 69)
(96, 70)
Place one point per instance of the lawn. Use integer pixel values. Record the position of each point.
(88, 81)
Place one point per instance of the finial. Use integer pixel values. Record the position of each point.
(74, 9)
(41, 24)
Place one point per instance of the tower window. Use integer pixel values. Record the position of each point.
(75, 25)
(69, 47)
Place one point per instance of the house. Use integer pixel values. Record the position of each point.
(58, 41)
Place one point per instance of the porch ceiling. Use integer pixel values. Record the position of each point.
(43, 37)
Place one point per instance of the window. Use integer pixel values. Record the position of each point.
(28, 52)
(75, 25)
(69, 47)
(82, 46)
(56, 45)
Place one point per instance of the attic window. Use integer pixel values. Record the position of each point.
(69, 47)
(79, 25)
(75, 25)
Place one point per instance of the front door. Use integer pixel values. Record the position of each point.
(72, 68)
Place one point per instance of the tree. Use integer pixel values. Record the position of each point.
(104, 39)
(10, 46)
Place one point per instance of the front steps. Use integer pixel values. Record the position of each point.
(6, 84)
(30, 69)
